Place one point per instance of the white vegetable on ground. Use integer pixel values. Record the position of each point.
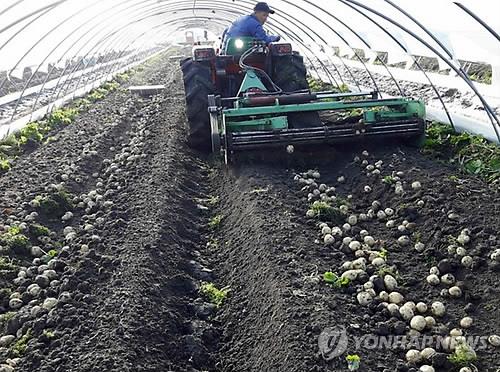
(467, 261)
(494, 340)
(352, 220)
(406, 312)
(466, 322)
(431, 322)
(329, 239)
(428, 353)
(396, 298)
(416, 185)
(419, 247)
(455, 292)
(403, 240)
(418, 322)
(421, 307)
(364, 298)
(390, 283)
(427, 368)
(438, 309)
(413, 356)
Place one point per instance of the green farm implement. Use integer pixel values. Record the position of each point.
(250, 96)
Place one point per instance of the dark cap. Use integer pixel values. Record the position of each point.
(263, 7)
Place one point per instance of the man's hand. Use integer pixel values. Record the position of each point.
(274, 39)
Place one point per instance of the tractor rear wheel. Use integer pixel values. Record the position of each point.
(198, 86)
(290, 74)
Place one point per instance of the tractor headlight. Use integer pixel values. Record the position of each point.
(239, 44)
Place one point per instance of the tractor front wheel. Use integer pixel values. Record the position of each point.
(198, 86)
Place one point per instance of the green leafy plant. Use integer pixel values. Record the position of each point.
(215, 221)
(14, 239)
(64, 199)
(52, 253)
(63, 116)
(336, 281)
(353, 358)
(353, 362)
(213, 243)
(343, 88)
(81, 103)
(4, 318)
(472, 153)
(48, 334)
(463, 355)
(30, 132)
(96, 95)
(213, 294)
(317, 85)
(19, 348)
(389, 180)
(383, 253)
(356, 112)
(39, 230)
(55, 204)
(110, 86)
(122, 78)
(341, 201)
(9, 145)
(4, 164)
(6, 264)
(213, 200)
(325, 211)
(482, 77)
(388, 270)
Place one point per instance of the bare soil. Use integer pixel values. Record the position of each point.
(133, 279)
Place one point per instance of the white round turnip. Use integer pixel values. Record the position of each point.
(413, 356)
(421, 307)
(418, 323)
(328, 239)
(438, 309)
(466, 322)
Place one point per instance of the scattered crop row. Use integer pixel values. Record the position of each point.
(472, 153)
(375, 281)
(39, 132)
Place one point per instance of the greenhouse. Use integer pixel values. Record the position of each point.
(233, 185)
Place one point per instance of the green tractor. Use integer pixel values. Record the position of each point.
(251, 96)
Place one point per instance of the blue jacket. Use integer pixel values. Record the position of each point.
(249, 26)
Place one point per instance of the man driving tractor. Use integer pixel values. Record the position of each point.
(251, 25)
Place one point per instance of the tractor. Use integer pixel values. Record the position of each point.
(250, 95)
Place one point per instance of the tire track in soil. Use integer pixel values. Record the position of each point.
(260, 257)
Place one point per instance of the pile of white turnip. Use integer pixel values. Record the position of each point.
(365, 248)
